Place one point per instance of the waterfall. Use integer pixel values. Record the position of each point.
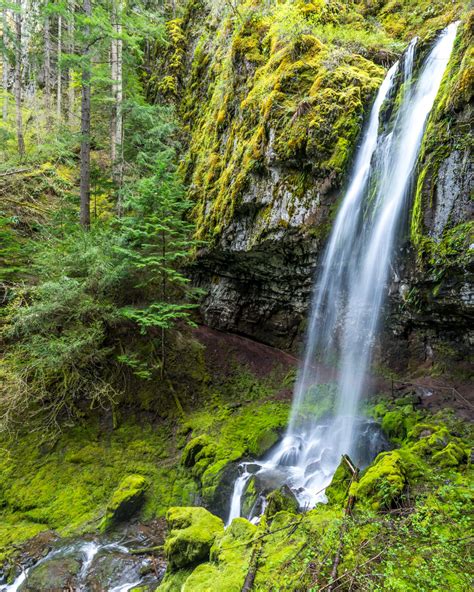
(352, 281)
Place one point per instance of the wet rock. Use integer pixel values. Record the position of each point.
(192, 533)
(54, 575)
(338, 490)
(109, 569)
(268, 480)
(281, 500)
(125, 501)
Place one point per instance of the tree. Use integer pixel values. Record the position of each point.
(85, 214)
(117, 92)
(59, 70)
(5, 63)
(47, 69)
(70, 30)
(18, 80)
(157, 239)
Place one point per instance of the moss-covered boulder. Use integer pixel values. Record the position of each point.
(383, 482)
(58, 573)
(451, 455)
(281, 500)
(337, 491)
(192, 533)
(125, 501)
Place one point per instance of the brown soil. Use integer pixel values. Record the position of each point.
(223, 350)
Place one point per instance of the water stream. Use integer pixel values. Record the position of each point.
(103, 565)
(350, 288)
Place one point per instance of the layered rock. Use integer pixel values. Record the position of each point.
(273, 101)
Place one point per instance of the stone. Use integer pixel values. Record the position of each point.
(57, 573)
(125, 501)
(192, 532)
(281, 500)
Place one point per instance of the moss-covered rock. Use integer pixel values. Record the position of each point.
(126, 500)
(192, 534)
(337, 491)
(55, 574)
(451, 455)
(383, 482)
(281, 500)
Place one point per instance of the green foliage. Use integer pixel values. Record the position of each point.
(156, 240)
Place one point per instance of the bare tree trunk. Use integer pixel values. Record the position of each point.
(70, 92)
(117, 93)
(59, 79)
(85, 214)
(5, 64)
(47, 71)
(18, 86)
(113, 75)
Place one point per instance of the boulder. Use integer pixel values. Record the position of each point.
(57, 573)
(451, 455)
(281, 500)
(125, 501)
(383, 482)
(338, 490)
(192, 534)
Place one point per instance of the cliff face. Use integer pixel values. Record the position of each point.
(273, 100)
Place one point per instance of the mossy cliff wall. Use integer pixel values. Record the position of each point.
(273, 97)
(432, 296)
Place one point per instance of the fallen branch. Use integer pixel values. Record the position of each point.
(16, 172)
(145, 550)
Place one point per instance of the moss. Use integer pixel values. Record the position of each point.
(338, 490)
(229, 554)
(249, 497)
(281, 500)
(66, 484)
(397, 423)
(383, 482)
(192, 533)
(451, 455)
(125, 501)
(226, 435)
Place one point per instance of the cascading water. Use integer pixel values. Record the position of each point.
(350, 288)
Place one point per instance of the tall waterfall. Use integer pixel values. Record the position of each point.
(352, 282)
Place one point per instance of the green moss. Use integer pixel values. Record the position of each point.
(125, 501)
(383, 482)
(192, 533)
(226, 435)
(281, 500)
(66, 485)
(451, 455)
(338, 490)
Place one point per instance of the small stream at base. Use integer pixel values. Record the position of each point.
(88, 566)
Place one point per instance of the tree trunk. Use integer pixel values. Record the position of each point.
(70, 92)
(47, 71)
(85, 214)
(117, 93)
(59, 79)
(5, 64)
(113, 75)
(18, 86)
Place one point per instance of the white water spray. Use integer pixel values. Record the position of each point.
(352, 283)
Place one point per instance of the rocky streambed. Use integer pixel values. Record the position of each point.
(130, 559)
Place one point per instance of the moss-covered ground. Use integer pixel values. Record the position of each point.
(68, 482)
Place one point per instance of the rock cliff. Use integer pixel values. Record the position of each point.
(272, 103)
